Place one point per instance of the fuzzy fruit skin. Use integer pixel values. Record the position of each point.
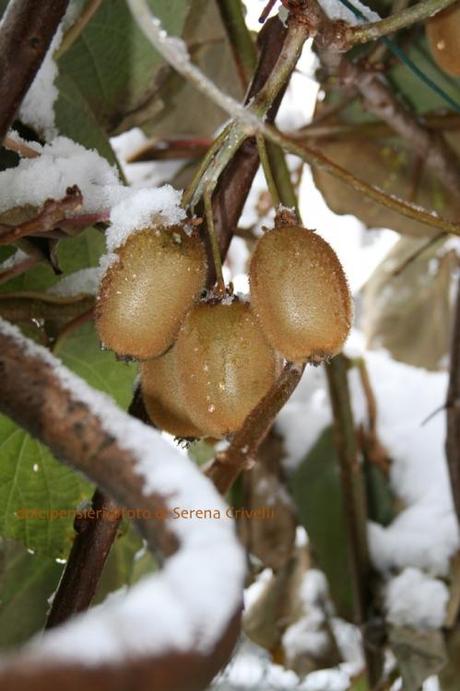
(300, 294)
(145, 296)
(225, 366)
(163, 398)
(443, 33)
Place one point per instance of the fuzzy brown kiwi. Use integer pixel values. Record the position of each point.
(145, 295)
(300, 294)
(163, 398)
(225, 365)
(443, 32)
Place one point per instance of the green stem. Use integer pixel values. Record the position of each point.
(207, 199)
(190, 192)
(243, 48)
(282, 177)
(354, 498)
(266, 167)
(423, 10)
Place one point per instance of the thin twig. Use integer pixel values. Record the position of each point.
(16, 268)
(210, 226)
(362, 33)
(316, 158)
(242, 451)
(418, 253)
(380, 100)
(74, 31)
(52, 213)
(25, 35)
(20, 147)
(453, 411)
(72, 326)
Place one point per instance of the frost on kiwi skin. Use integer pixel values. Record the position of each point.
(442, 32)
(163, 398)
(300, 294)
(145, 295)
(225, 365)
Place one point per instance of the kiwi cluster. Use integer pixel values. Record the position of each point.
(207, 361)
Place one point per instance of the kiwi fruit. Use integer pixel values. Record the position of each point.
(145, 295)
(300, 294)
(225, 365)
(443, 34)
(163, 398)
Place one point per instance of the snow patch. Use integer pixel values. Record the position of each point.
(83, 282)
(414, 599)
(61, 164)
(37, 108)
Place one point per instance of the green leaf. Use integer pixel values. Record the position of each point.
(26, 583)
(76, 120)
(316, 490)
(83, 355)
(82, 251)
(31, 480)
(112, 64)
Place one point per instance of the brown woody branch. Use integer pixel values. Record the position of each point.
(243, 448)
(95, 533)
(25, 36)
(34, 396)
(53, 212)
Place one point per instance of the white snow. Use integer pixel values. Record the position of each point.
(143, 173)
(308, 634)
(83, 282)
(16, 258)
(336, 10)
(142, 208)
(417, 600)
(62, 163)
(188, 603)
(37, 108)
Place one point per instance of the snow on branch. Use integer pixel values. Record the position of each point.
(26, 33)
(185, 613)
